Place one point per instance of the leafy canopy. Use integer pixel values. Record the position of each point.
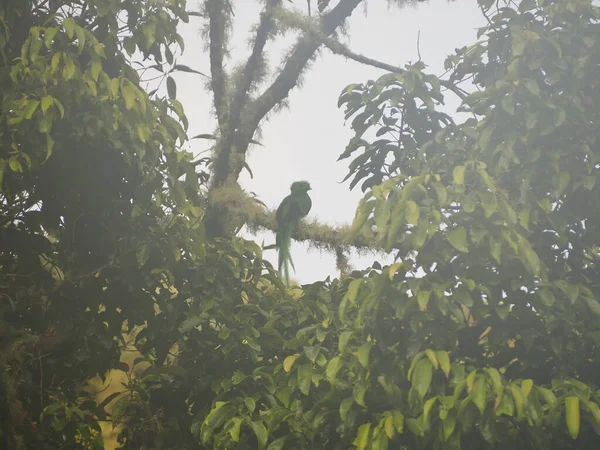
(483, 334)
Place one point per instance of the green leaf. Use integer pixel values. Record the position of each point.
(508, 104)
(129, 44)
(488, 203)
(398, 421)
(305, 373)
(432, 358)
(459, 175)
(45, 123)
(458, 238)
(108, 399)
(353, 288)
(171, 87)
(212, 420)
(277, 444)
(478, 394)
(496, 379)
(532, 260)
(421, 377)
(572, 415)
(412, 212)
(80, 32)
(238, 377)
(592, 304)
(393, 269)
(49, 146)
(559, 117)
(362, 437)
(95, 69)
(547, 297)
(532, 86)
(359, 394)
(345, 406)
(343, 340)
(526, 386)
(250, 404)
(69, 69)
(99, 50)
(448, 425)
(312, 352)
(289, 361)
(363, 354)
(427, 408)
(47, 102)
(49, 34)
(235, 427)
(561, 183)
(423, 298)
(463, 297)
(444, 361)
(32, 105)
(471, 380)
(506, 406)
(548, 396)
(55, 60)
(184, 68)
(486, 136)
(419, 233)
(69, 26)
(261, 434)
(595, 410)
(413, 364)
(333, 367)
(362, 214)
(441, 193)
(389, 427)
(518, 398)
(143, 133)
(129, 95)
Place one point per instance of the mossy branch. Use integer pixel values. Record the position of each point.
(304, 50)
(337, 48)
(318, 234)
(216, 10)
(223, 161)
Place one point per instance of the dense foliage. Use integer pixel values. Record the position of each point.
(484, 334)
(93, 214)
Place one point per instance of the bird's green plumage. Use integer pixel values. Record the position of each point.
(293, 208)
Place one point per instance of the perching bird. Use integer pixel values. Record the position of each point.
(293, 208)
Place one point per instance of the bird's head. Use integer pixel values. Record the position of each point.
(300, 186)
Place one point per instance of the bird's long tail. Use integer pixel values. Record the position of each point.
(284, 243)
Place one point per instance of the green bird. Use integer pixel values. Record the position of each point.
(293, 208)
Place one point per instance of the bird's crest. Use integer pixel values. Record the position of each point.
(300, 186)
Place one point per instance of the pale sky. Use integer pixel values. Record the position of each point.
(304, 141)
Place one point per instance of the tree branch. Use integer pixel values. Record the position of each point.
(321, 236)
(287, 79)
(217, 26)
(222, 167)
(338, 48)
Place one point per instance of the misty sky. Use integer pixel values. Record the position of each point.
(304, 141)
